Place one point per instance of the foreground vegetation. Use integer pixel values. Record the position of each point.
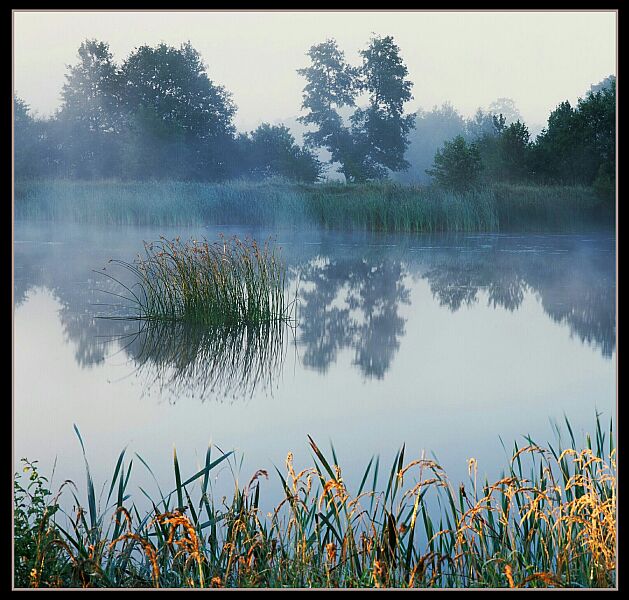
(549, 521)
(385, 207)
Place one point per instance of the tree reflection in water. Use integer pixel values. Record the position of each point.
(352, 304)
(575, 285)
(350, 299)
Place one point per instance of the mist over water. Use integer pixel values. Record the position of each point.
(398, 339)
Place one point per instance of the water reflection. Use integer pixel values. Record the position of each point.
(354, 304)
(217, 363)
(351, 294)
(574, 284)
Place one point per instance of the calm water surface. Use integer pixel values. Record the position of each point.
(445, 343)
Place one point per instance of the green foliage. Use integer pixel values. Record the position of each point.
(511, 158)
(457, 165)
(549, 521)
(270, 151)
(576, 148)
(158, 115)
(173, 84)
(38, 560)
(377, 136)
(432, 129)
(331, 85)
(178, 116)
(383, 126)
(579, 143)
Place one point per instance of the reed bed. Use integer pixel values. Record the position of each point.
(549, 521)
(397, 208)
(229, 282)
(550, 208)
(382, 206)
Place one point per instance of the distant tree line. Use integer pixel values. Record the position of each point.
(577, 146)
(156, 116)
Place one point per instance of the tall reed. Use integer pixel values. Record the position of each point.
(379, 206)
(549, 521)
(228, 282)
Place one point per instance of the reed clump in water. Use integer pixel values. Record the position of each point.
(549, 521)
(228, 282)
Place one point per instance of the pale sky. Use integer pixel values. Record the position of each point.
(536, 58)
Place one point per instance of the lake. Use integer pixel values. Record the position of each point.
(445, 343)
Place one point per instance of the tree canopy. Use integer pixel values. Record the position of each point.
(159, 115)
(376, 137)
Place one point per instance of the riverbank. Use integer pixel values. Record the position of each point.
(386, 207)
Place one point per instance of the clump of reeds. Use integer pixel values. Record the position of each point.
(228, 282)
(549, 521)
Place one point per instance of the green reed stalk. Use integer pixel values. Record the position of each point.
(229, 282)
(549, 521)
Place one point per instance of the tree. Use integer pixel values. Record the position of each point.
(507, 108)
(169, 98)
(90, 112)
(382, 129)
(378, 134)
(23, 132)
(482, 124)
(270, 151)
(91, 92)
(603, 84)
(331, 85)
(513, 158)
(597, 114)
(579, 143)
(35, 149)
(432, 129)
(457, 166)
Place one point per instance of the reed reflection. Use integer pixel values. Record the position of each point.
(218, 363)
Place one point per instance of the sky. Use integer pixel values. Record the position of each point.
(470, 59)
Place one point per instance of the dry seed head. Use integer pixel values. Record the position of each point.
(509, 574)
(331, 552)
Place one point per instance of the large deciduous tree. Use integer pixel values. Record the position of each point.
(175, 112)
(382, 128)
(377, 136)
(331, 86)
(89, 116)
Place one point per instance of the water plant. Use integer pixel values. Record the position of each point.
(549, 521)
(376, 206)
(229, 282)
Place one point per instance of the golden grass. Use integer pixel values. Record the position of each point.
(548, 521)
